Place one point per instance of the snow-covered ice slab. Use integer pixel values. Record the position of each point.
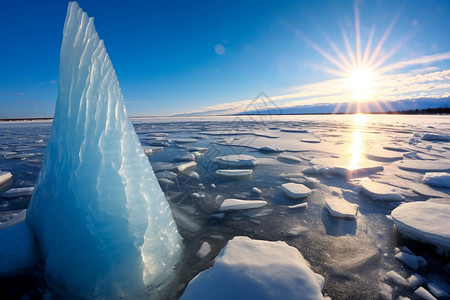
(295, 190)
(290, 158)
(96, 190)
(236, 204)
(381, 191)
(341, 208)
(437, 179)
(234, 173)
(424, 221)
(424, 165)
(270, 149)
(236, 160)
(186, 166)
(311, 140)
(252, 269)
(5, 176)
(18, 192)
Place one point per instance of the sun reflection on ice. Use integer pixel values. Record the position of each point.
(357, 149)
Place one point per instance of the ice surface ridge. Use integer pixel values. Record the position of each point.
(103, 224)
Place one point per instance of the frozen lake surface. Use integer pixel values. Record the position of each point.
(373, 163)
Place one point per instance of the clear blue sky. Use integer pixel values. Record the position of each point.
(178, 56)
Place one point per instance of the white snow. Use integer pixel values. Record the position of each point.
(311, 140)
(186, 166)
(290, 158)
(234, 172)
(410, 260)
(4, 177)
(185, 157)
(424, 221)
(256, 191)
(251, 269)
(380, 154)
(148, 150)
(381, 191)
(421, 292)
(340, 208)
(295, 190)
(204, 250)
(396, 278)
(437, 179)
(18, 192)
(236, 160)
(300, 205)
(414, 280)
(96, 190)
(235, 204)
(424, 165)
(270, 149)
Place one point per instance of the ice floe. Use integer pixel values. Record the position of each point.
(18, 192)
(18, 250)
(423, 293)
(186, 166)
(411, 260)
(381, 191)
(340, 208)
(236, 204)
(270, 149)
(396, 278)
(234, 173)
(236, 160)
(185, 157)
(300, 205)
(437, 179)
(204, 250)
(424, 221)
(311, 140)
(424, 165)
(5, 176)
(290, 158)
(252, 269)
(295, 190)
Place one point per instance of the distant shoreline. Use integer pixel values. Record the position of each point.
(428, 111)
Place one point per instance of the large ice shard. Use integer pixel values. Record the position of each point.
(102, 222)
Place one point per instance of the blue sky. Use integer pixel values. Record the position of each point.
(183, 56)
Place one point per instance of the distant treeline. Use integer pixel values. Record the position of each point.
(425, 111)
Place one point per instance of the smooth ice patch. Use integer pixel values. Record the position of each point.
(295, 190)
(236, 204)
(427, 222)
(381, 191)
(251, 269)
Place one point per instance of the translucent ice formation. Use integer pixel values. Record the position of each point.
(103, 225)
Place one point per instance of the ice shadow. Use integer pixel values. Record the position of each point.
(338, 226)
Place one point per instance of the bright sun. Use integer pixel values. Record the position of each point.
(360, 83)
